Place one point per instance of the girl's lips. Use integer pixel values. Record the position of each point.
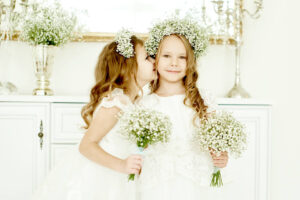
(172, 71)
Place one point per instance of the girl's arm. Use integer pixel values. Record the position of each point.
(103, 121)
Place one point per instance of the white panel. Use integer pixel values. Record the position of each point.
(67, 123)
(60, 151)
(250, 172)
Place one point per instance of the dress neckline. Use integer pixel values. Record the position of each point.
(174, 95)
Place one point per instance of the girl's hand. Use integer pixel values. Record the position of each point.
(132, 164)
(220, 161)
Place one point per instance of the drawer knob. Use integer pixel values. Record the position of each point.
(41, 135)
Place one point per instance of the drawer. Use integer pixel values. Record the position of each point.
(59, 153)
(66, 123)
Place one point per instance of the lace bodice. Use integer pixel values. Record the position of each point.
(179, 157)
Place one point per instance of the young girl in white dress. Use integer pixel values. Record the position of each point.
(98, 169)
(177, 170)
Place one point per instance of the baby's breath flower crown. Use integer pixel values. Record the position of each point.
(124, 47)
(197, 36)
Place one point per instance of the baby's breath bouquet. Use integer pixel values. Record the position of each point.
(144, 127)
(48, 24)
(218, 133)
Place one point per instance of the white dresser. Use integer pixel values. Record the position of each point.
(36, 132)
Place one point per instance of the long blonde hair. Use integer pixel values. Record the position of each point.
(112, 71)
(196, 102)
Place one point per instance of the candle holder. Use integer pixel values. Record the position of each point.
(10, 19)
(231, 21)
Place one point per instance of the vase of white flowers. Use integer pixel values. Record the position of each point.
(47, 26)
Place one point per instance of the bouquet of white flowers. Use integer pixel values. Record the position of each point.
(144, 127)
(49, 24)
(218, 133)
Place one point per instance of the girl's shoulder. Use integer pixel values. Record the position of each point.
(116, 98)
(148, 100)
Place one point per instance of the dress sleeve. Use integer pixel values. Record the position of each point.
(116, 99)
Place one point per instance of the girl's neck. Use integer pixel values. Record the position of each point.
(170, 88)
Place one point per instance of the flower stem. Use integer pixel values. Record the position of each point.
(216, 180)
(131, 177)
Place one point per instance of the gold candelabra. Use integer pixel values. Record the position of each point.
(11, 13)
(230, 20)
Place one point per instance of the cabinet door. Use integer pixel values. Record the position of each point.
(248, 175)
(67, 123)
(23, 159)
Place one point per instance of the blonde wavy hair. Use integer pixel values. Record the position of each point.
(193, 97)
(112, 71)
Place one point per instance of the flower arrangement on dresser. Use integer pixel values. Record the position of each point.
(47, 26)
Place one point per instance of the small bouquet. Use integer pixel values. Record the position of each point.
(144, 127)
(221, 132)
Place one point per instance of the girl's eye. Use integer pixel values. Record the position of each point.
(166, 56)
(182, 57)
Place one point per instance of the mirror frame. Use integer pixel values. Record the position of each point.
(107, 37)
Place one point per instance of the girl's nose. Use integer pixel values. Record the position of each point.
(174, 62)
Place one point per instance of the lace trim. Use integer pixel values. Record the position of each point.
(116, 98)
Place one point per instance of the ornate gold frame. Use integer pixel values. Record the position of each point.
(107, 37)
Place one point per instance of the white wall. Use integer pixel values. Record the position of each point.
(270, 70)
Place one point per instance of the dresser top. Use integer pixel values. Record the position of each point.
(85, 99)
(32, 98)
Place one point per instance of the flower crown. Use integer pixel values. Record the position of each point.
(193, 32)
(124, 46)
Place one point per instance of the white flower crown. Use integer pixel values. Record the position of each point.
(124, 46)
(197, 36)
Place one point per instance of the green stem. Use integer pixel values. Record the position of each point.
(131, 177)
(216, 180)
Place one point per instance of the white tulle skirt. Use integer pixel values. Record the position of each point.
(77, 178)
(180, 188)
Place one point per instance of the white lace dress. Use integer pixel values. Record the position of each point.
(176, 170)
(77, 178)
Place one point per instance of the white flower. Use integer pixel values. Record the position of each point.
(124, 47)
(194, 33)
(144, 126)
(221, 132)
(48, 24)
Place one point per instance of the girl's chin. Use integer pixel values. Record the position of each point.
(172, 78)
